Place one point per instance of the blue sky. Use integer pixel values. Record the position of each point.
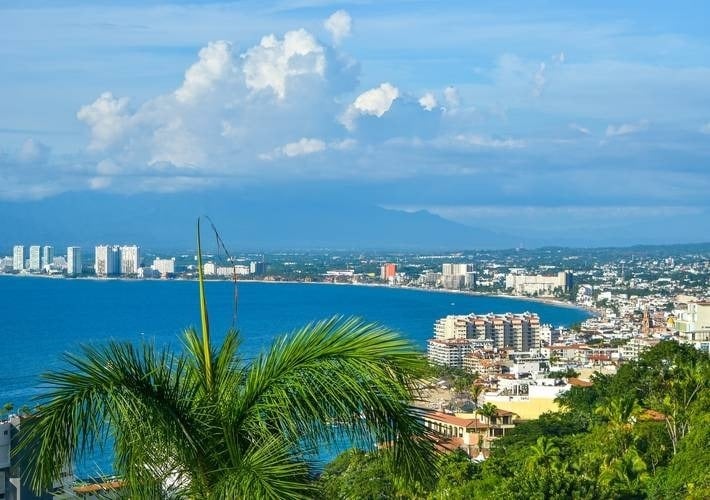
(549, 119)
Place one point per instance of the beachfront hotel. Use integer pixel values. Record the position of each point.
(456, 336)
(74, 264)
(18, 257)
(520, 332)
(523, 284)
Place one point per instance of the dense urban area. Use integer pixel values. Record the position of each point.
(498, 379)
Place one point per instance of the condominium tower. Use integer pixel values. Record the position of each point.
(107, 260)
(18, 258)
(74, 263)
(47, 255)
(520, 332)
(130, 259)
(35, 258)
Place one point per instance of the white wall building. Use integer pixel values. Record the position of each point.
(457, 276)
(453, 327)
(520, 332)
(74, 264)
(449, 352)
(130, 259)
(35, 258)
(107, 260)
(523, 284)
(18, 258)
(165, 267)
(47, 255)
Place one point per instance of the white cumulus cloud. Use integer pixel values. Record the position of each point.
(374, 102)
(428, 101)
(215, 64)
(339, 25)
(271, 63)
(304, 146)
(107, 118)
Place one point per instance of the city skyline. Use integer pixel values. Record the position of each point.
(539, 122)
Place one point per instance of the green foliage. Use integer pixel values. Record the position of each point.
(603, 444)
(687, 476)
(357, 474)
(568, 373)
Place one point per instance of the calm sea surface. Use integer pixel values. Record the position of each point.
(41, 318)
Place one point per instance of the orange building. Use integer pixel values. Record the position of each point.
(387, 271)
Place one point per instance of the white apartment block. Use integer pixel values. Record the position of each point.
(107, 260)
(74, 264)
(519, 332)
(449, 352)
(457, 276)
(130, 259)
(695, 318)
(18, 258)
(523, 284)
(453, 327)
(35, 258)
(47, 255)
(164, 266)
(451, 269)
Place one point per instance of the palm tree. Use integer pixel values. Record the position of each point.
(8, 407)
(203, 423)
(625, 475)
(488, 410)
(621, 414)
(543, 453)
(476, 391)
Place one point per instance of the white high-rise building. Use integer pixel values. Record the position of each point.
(35, 258)
(107, 260)
(457, 276)
(73, 261)
(130, 259)
(47, 255)
(539, 285)
(164, 266)
(520, 332)
(18, 258)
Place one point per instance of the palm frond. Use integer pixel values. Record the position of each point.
(142, 397)
(340, 377)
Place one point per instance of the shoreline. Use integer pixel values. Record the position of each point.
(471, 293)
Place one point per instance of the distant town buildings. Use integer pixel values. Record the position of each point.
(457, 336)
(257, 268)
(166, 267)
(74, 263)
(47, 255)
(523, 284)
(35, 258)
(457, 276)
(695, 318)
(388, 271)
(130, 259)
(107, 260)
(18, 258)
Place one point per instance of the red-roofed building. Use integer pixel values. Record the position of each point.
(472, 435)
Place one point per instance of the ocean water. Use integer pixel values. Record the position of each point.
(42, 318)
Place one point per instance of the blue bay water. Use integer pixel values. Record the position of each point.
(42, 318)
